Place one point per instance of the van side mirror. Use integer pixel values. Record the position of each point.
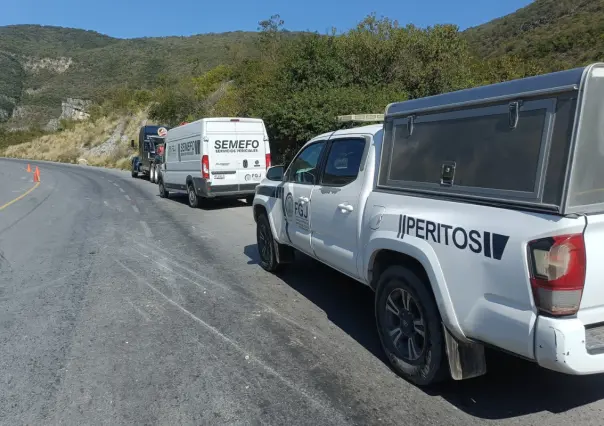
(132, 143)
(275, 173)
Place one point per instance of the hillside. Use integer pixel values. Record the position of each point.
(42, 66)
(558, 34)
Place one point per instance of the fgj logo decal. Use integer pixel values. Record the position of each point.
(296, 211)
(491, 245)
(289, 206)
(253, 176)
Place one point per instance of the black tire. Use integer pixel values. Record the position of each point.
(266, 245)
(134, 173)
(249, 199)
(423, 361)
(192, 196)
(163, 192)
(152, 174)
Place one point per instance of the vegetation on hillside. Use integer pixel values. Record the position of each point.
(558, 34)
(51, 64)
(546, 35)
(297, 82)
(300, 85)
(101, 142)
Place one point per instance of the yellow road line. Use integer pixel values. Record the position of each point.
(20, 196)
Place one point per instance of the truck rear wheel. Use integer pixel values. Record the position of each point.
(266, 245)
(152, 174)
(410, 327)
(193, 199)
(163, 192)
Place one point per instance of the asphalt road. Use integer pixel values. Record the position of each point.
(118, 307)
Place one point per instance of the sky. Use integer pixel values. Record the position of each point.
(139, 18)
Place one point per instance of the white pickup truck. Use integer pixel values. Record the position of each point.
(476, 216)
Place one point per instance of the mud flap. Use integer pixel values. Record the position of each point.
(284, 253)
(466, 360)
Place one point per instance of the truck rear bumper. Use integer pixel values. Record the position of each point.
(562, 345)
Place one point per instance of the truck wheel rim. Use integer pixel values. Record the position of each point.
(405, 325)
(191, 196)
(264, 246)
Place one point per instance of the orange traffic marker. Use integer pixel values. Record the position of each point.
(28, 168)
(37, 175)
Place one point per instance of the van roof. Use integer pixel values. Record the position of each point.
(370, 129)
(244, 119)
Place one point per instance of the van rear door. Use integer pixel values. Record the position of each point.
(237, 152)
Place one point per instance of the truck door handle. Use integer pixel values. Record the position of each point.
(303, 199)
(345, 207)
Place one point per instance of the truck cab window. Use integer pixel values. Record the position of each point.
(304, 167)
(343, 162)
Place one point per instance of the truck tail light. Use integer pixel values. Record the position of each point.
(205, 167)
(268, 160)
(558, 273)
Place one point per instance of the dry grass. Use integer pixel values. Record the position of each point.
(75, 144)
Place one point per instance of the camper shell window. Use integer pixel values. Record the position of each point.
(535, 143)
(488, 154)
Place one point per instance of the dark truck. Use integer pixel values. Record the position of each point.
(151, 139)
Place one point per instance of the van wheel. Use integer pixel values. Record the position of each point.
(266, 245)
(410, 327)
(193, 199)
(163, 192)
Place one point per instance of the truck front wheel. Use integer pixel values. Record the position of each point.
(410, 327)
(266, 245)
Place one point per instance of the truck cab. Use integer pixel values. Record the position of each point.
(475, 216)
(150, 138)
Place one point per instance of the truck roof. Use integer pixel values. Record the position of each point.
(562, 80)
(370, 129)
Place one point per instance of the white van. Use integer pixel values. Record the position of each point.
(215, 157)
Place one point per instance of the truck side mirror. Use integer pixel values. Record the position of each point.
(275, 173)
(132, 143)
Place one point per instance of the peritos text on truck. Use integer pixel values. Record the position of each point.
(477, 217)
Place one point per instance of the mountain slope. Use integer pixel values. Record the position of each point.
(42, 66)
(557, 33)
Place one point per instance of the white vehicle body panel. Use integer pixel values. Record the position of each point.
(491, 297)
(472, 242)
(236, 149)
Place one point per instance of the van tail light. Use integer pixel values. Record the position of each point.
(558, 273)
(205, 167)
(268, 160)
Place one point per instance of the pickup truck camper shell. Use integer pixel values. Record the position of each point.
(535, 143)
